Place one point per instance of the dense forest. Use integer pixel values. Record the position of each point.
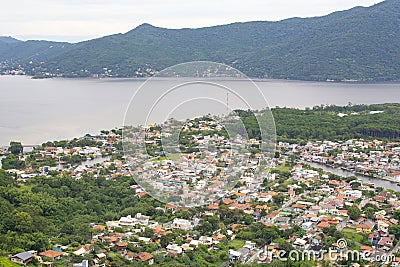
(333, 123)
(339, 123)
(357, 44)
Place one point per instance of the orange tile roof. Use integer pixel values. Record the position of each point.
(213, 206)
(299, 206)
(51, 254)
(365, 248)
(272, 193)
(121, 244)
(144, 256)
(334, 182)
(99, 228)
(218, 237)
(170, 206)
(227, 201)
(323, 225)
(272, 214)
(141, 194)
(310, 215)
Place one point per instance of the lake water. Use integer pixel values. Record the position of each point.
(34, 111)
(377, 182)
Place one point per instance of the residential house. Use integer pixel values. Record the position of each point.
(23, 258)
(145, 257)
(205, 240)
(126, 221)
(51, 254)
(84, 263)
(174, 249)
(307, 226)
(82, 250)
(385, 243)
(234, 255)
(142, 219)
(181, 224)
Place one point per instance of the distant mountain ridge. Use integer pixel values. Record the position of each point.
(357, 44)
(8, 39)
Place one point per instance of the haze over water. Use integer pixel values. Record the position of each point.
(34, 111)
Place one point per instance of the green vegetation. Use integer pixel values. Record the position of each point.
(320, 123)
(354, 212)
(62, 207)
(358, 44)
(323, 123)
(351, 234)
(236, 244)
(15, 148)
(6, 263)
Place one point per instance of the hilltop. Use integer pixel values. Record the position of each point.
(357, 44)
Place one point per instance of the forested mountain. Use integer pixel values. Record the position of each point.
(357, 44)
(13, 50)
(8, 40)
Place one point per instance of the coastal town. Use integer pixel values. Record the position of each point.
(287, 208)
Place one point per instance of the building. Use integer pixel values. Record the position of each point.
(181, 224)
(51, 254)
(145, 257)
(23, 258)
(84, 263)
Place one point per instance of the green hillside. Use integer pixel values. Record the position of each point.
(357, 44)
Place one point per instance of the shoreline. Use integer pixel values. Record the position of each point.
(254, 79)
(334, 170)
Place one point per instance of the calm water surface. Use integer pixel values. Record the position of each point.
(34, 111)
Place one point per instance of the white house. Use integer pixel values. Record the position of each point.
(127, 221)
(181, 224)
(174, 248)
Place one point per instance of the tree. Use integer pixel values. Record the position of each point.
(354, 212)
(23, 222)
(15, 148)
(395, 230)
(278, 199)
(396, 214)
(12, 162)
(370, 212)
(355, 185)
(166, 239)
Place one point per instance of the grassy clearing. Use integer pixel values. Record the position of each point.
(236, 244)
(7, 263)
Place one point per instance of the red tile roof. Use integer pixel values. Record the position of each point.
(51, 254)
(144, 256)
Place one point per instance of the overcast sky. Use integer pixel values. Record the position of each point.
(77, 20)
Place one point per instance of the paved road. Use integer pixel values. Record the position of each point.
(395, 249)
